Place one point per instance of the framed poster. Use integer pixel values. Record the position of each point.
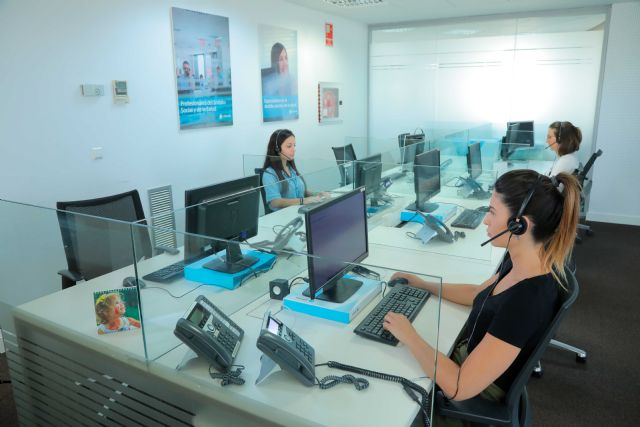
(279, 73)
(201, 55)
(329, 103)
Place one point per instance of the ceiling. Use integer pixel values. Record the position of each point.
(396, 11)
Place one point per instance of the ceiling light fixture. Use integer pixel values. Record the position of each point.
(354, 3)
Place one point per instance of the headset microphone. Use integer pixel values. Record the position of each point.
(506, 230)
(549, 146)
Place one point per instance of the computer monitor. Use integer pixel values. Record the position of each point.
(426, 179)
(368, 174)
(518, 134)
(410, 147)
(336, 236)
(474, 161)
(228, 210)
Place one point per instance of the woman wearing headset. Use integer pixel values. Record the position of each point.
(283, 184)
(536, 223)
(564, 139)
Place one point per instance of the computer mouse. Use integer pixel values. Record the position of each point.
(483, 209)
(397, 281)
(130, 281)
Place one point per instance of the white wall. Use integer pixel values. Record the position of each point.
(47, 129)
(615, 196)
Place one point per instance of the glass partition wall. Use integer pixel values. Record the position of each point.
(505, 71)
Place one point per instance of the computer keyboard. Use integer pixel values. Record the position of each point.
(402, 299)
(468, 218)
(167, 274)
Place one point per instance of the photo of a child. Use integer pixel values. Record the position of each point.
(116, 311)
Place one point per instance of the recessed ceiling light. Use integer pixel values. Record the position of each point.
(461, 32)
(354, 3)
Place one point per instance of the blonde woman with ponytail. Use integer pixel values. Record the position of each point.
(511, 310)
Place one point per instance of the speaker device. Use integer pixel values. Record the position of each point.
(278, 288)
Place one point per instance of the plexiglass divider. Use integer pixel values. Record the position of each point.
(246, 300)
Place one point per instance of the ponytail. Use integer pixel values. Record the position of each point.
(559, 247)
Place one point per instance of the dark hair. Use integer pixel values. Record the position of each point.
(568, 137)
(553, 212)
(276, 50)
(273, 160)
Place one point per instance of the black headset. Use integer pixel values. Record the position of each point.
(278, 132)
(559, 133)
(517, 225)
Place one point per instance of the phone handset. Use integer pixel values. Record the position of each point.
(443, 232)
(210, 333)
(286, 232)
(283, 347)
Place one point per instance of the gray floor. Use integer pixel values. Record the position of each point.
(603, 321)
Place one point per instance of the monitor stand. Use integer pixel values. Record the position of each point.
(426, 207)
(233, 262)
(341, 291)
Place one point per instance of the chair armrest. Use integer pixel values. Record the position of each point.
(476, 410)
(71, 275)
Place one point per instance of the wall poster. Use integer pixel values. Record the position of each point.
(279, 73)
(329, 103)
(202, 63)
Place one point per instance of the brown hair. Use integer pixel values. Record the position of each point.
(568, 137)
(554, 213)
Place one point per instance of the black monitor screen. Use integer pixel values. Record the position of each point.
(228, 210)
(427, 176)
(336, 233)
(520, 133)
(474, 161)
(410, 147)
(368, 173)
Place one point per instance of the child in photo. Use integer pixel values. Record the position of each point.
(110, 314)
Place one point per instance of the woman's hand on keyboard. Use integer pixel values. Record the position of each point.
(400, 327)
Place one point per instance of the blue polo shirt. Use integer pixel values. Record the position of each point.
(273, 186)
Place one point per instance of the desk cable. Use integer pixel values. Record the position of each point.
(230, 377)
(172, 295)
(412, 389)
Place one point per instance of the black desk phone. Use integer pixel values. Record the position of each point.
(288, 350)
(210, 333)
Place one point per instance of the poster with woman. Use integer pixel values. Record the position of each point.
(279, 73)
(202, 68)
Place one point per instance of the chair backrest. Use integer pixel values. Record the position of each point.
(344, 155)
(567, 298)
(582, 174)
(267, 208)
(93, 246)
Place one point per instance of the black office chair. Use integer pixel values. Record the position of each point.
(344, 155)
(586, 184)
(514, 410)
(94, 246)
(267, 208)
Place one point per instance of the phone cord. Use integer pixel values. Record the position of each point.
(333, 380)
(409, 387)
(231, 377)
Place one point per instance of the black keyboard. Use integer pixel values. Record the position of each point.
(468, 218)
(167, 274)
(402, 299)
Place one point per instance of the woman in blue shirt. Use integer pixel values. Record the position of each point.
(283, 184)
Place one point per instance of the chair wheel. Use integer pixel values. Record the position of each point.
(589, 232)
(536, 373)
(581, 359)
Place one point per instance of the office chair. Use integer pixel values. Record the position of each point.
(267, 208)
(344, 155)
(585, 183)
(94, 246)
(514, 410)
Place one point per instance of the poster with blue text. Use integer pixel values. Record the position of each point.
(202, 68)
(279, 73)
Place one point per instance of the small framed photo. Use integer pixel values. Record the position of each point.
(116, 310)
(120, 92)
(329, 103)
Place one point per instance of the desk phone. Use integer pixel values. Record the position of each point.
(288, 350)
(210, 333)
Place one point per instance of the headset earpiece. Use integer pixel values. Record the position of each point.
(559, 133)
(517, 226)
(277, 147)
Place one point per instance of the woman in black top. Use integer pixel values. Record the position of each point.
(512, 309)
